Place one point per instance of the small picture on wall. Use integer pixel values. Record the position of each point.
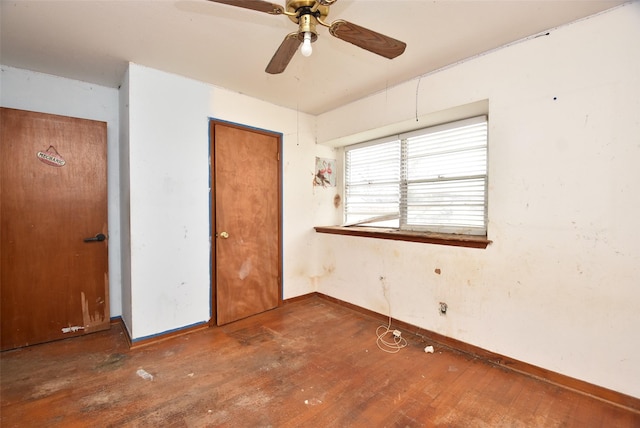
(325, 174)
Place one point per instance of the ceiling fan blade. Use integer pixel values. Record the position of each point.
(283, 55)
(259, 5)
(367, 39)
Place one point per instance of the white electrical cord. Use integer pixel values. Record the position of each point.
(397, 342)
(392, 346)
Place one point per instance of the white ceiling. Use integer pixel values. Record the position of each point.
(229, 47)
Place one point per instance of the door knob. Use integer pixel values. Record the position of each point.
(99, 238)
(224, 235)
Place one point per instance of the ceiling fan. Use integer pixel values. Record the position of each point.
(307, 14)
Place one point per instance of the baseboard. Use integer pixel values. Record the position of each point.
(146, 341)
(119, 323)
(595, 391)
(156, 338)
(299, 298)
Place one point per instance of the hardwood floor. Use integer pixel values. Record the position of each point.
(311, 363)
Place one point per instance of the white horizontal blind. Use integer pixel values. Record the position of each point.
(444, 178)
(372, 183)
(433, 179)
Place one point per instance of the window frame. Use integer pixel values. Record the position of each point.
(421, 233)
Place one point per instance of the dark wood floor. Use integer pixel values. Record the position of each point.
(311, 363)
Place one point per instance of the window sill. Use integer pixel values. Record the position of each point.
(469, 241)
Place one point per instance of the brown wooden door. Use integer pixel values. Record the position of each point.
(247, 244)
(54, 285)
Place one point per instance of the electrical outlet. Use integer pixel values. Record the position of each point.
(397, 333)
(443, 308)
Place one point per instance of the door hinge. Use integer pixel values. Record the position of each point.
(278, 156)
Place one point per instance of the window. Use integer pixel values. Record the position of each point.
(430, 180)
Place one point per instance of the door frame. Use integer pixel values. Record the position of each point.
(212, 210)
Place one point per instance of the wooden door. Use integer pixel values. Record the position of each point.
(246, 208)
(53, 196)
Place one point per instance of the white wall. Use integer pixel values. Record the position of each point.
(168, 155)
(559, 287)
(28, 90)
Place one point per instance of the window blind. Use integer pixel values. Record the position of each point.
(372, 189)
(433, 179)
(444, 172)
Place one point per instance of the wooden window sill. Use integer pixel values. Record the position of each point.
(469, 241)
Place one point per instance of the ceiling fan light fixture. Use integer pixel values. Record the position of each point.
(307, 14)
(306, 48)
(307, 32)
